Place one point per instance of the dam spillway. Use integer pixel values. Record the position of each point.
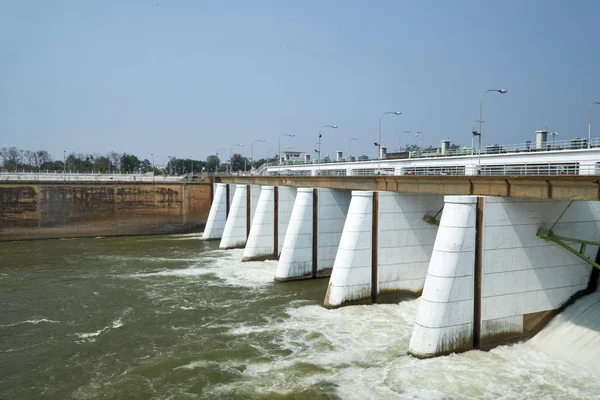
(485, 277)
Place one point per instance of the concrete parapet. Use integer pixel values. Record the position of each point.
(217, 216)
(404, 243)
(313, 234)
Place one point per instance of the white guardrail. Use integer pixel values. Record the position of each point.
(70, 177)
(522, 148)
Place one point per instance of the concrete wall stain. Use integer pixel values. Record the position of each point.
(56, 210)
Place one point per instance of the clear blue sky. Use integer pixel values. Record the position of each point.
(182, 78)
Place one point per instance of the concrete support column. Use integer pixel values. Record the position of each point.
(313, 234)
(444, 322)
(240, 216)
(491, 279)
(217, 216)
(260, 245)
(397, 254)
(287, 197)
(295, 261)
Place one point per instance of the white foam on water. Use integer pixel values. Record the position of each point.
(228, 267)
(574, 334)
(196, 364)
(361, 351)
(31, 321)
(115, 324)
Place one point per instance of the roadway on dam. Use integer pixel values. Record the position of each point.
(557, 187)
(172, 317)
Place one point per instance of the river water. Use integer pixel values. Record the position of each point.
(173, 317)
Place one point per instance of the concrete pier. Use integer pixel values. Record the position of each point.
(491, 279)
(385, 247)
(313, 234)
(239, 218)
(217, 216)
(270, 223)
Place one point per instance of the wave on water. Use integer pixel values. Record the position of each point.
(227, 267)
(115, 324)
(31, 321)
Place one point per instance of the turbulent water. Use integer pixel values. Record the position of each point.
(172, 317)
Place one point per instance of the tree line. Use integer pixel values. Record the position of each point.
(13, 159)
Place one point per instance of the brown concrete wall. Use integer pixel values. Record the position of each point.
(58, 210)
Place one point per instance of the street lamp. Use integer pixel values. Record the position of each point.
(553, 135)
(379, 139)
(319, 150)
(231, 156)
(399, 137)
(501, 91)
(590, 125)
(152, 154)
(420, 136)
(349, 148)
(279, 154)
(269, 151)
(252, 152)
(217, 153)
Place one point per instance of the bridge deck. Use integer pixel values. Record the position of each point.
(558, 187)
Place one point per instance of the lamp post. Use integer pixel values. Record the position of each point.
(319, 148)
(420, 136)
(349, 147)
(64, 161)
(590, 125)
(152, 154)
(379, 139)
(553, 135)
(269, 151)
(279, 154)
(192, 165)
(252, 152)
(399, 137)
(501, 91)
(231, 156)
(217, 153)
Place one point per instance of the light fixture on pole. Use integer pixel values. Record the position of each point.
(501, 91)
(420, 136)
(231, 156)
(349, 147)
(400, 137)
(252, 152)
(218, 160)
(553, 135)
(279, 154)
(379, 139)
(589, 144)
(269, 151)
(319, 148)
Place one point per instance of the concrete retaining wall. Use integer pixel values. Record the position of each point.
(59, 210)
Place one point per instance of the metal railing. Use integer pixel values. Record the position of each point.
(527, 147)
(86, 177)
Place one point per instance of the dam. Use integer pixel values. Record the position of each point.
(493, 256)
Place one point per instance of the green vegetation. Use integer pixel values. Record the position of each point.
(13, 159)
